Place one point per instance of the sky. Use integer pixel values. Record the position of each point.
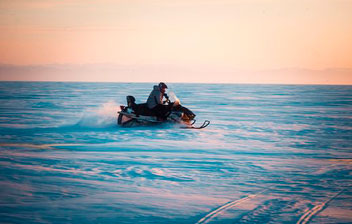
(250, 41)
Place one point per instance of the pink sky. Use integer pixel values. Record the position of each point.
(199, 35)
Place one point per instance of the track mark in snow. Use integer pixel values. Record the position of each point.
(318, 208)
(225, 207)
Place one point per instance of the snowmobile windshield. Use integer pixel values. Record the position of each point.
(173, 98)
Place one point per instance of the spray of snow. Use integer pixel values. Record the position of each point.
(101, 117)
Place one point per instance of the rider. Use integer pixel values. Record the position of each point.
(155, 101)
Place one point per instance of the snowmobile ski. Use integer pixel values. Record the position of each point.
(204, 125)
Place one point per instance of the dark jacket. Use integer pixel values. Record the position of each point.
(155, 98)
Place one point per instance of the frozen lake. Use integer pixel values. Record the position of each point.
(272, 154)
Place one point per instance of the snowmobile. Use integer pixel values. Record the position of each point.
(139, 114)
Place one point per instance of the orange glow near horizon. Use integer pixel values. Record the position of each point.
(225, 34)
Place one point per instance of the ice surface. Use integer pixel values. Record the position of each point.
(272, 154)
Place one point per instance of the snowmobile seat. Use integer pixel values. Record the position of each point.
(142, 109)
(139, 109)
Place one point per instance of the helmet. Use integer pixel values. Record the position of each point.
(162, 85)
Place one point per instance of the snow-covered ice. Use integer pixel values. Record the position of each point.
(272, 154)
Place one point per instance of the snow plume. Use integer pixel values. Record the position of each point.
(100, 117)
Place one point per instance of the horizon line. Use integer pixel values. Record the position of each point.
(110, 72)
(205, 83)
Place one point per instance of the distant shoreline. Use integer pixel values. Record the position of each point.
(189, 83)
